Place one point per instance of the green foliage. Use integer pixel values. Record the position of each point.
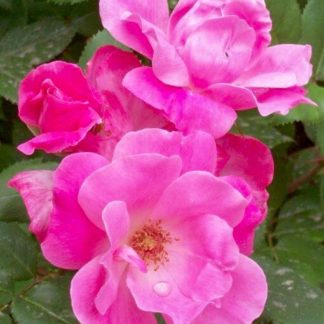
(313, 32)
(24, 47)
(66, 2)
(286, 23)
(100, 39)
(47, 302)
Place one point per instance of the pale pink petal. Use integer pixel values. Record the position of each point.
(201, 193)
(227, 45)
(188, 110)
(156, 291)
(245, 157)
(197, 150)
(116, 219)
(255, 13)
(85, 302)
(168, 66)
(244, 302)
(115, 16)
(237, 97)
(123, 111)
(279, 66)
(72, 240)
(201, 257)
(92, 276)
(36, 190)
(281, 100)
(137, 180)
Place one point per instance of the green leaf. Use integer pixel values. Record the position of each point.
(48, 302)
(9, 155)
(5, 319)
(302, 215)
(6, 288)
(66, 2)
(18, 252)
(286, 18)
(13, 13)
(313, 31)
(291, 300)
(250, 123)
(11, 205)
(24, 47)
(320, 70)
(98, 40)
(304, 113)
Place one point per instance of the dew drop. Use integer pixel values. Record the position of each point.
(162, 288)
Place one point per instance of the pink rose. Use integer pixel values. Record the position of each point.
(150, 229)
(210, 58)
(70, 112)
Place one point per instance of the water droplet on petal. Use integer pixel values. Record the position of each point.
(162, 288)
(217, 303)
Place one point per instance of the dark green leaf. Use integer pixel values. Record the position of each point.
(286, 18)
(48, 302)
(18, 252)
(24, 47)
(291, 299)
(5, 319)
(313, 31)
(6, 288)
(250, 123)
(100, 39)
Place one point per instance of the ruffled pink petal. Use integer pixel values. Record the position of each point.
(201, 193)
(168, 66)
(106, 71)
(56, 142)
(200, 270)
(188, 110)
(66, 78)
(245, 157)
(237, 97)
(227, 45)
(280, 100)
(156, 291)
(197, 150)
(137, 180)
(280, 66)
(256, 15)
(115, 16)
(92, 276)
(36, 189)
(87, 303)
(72, 240)
(242, 305)
(116, 219)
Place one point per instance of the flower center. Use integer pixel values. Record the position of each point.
(150, 242)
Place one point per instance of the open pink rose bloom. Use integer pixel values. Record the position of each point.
(210, 58)
(165, 227)
(155, 204)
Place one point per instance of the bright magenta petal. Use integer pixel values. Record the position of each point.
(245, 157)
(197, 150)
(36, 189)
(188, 110)
(137, 180)
(72, 240)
